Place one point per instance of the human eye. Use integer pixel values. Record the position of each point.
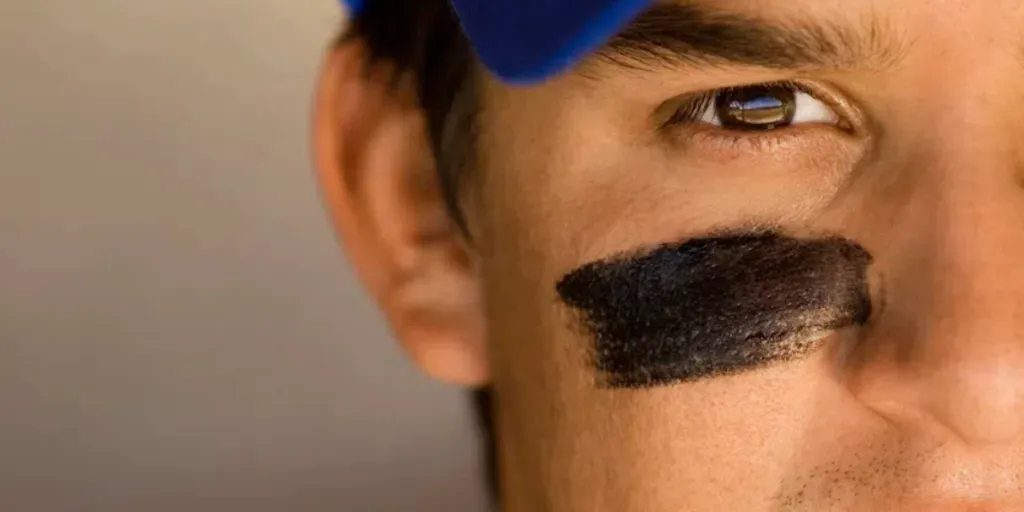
(758, 108)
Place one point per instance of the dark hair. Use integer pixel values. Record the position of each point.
(422, 40)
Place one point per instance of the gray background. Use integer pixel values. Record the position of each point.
(178, 330)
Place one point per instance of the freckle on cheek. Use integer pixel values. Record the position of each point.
(716, 306)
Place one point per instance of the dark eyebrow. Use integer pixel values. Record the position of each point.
(691, 34)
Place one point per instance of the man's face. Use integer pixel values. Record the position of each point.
(770, 264)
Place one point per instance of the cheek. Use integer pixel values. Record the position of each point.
(718, 445)
(552, 195)
(570, 445)
(704, 446)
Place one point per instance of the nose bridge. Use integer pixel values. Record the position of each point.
(970, 248)
(954, 310)
(969, 321)
(967, 350)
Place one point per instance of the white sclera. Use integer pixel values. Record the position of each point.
(812, 110)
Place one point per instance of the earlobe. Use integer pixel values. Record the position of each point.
(379, 183)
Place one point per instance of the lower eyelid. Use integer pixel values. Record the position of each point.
(744, 144)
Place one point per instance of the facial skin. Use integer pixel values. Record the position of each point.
(913, 151)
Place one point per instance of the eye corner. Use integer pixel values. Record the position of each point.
(681, 109)
(851, 117)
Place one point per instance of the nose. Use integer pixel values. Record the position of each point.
(946, 351)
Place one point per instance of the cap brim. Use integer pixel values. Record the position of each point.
(526, 41)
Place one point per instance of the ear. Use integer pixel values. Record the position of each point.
(379, 181)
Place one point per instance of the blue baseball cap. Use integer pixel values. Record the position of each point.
(526, 41)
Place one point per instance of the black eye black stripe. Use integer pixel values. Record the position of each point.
(715, 306)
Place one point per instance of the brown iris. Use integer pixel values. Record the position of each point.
(760, 107)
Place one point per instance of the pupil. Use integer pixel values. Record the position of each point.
(762, 107)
